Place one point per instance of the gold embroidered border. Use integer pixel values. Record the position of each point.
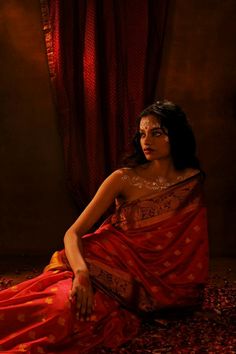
(151, 221)
(47, 29)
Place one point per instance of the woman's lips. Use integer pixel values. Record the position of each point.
(148, 151)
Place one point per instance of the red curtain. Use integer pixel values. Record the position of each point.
(104, 59)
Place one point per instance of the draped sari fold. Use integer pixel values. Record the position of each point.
(150, 255)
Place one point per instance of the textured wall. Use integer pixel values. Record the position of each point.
(198, 71)
(35, 209)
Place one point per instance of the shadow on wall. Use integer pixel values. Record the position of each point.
(198, 71)
(35, 207)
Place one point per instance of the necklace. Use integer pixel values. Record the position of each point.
(157, 184)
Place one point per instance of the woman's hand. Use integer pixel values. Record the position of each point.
(83, 293)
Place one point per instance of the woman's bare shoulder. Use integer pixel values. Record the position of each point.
(124, 176)
(124, 171)
(133, 170)
(119, 176)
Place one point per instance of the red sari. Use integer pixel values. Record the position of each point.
(150, 255)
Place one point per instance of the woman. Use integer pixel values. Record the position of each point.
(150, 255)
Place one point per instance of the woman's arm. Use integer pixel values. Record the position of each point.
(107, 192)
(104, 197)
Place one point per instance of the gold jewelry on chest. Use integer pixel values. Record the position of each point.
(158, 184)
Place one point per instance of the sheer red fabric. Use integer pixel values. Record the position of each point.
(104, 58)
(150, 255)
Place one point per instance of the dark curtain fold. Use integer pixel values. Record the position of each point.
(104, 58)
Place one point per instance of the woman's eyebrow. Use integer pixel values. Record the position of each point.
(156, 128)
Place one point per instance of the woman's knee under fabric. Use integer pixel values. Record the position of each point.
(41, 316)
(39, 311)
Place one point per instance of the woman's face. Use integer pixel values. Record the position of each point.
(154, 141)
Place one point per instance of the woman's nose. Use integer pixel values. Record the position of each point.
(147, 140)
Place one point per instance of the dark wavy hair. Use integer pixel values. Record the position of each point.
(181, 137)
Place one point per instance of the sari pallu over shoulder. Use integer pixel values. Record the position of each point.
(180, 198)
(152, 253)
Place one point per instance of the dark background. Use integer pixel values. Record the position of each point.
(197, 71)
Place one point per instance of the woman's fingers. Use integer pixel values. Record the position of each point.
(79, 305)
(90, 302)
(72, 293)
(82, 292)
(86, 309)
(84, 303)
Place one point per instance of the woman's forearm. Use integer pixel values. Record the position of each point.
(74, 252)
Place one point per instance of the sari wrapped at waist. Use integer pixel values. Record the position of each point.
(152, 253)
